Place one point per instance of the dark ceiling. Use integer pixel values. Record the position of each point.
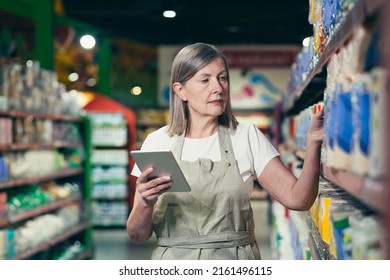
(216, 22)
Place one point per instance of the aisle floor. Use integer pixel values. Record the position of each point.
(114, 244)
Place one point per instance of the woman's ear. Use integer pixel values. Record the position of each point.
(179, 90)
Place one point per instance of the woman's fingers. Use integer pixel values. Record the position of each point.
(143, 178)
(320, 114)
(151, 189)
(159, 184)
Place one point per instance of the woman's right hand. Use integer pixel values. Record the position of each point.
(150, 190)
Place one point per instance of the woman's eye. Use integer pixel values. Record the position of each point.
(222, 78)
(204, 81)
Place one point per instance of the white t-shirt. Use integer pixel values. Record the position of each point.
(251, 148)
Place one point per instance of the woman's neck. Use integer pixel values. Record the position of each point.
(202, 129)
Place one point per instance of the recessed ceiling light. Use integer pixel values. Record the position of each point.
(87, 41)
(169, 14)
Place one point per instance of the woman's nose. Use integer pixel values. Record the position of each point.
(216, 86)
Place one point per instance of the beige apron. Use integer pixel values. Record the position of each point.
(215, 219)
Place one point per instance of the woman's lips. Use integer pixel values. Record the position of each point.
(219, 101)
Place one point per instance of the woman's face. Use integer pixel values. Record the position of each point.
(207, 91)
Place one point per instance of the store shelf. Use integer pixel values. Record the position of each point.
(311, 90)
(315, 251)
(43, 246)
(110, 164)
(317, 246)
(16, 218)
(372, 192)
(39, 179)
(56, 117)
(40, 146)
(110, 146)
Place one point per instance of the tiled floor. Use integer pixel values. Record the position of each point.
(114, 244)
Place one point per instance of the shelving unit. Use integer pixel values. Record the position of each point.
(311, 90)
(373, 192)
(110, 169)
(70, 179)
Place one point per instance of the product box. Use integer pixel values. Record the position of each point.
(377, 167)
(3, 204)
(4, 171)
(2, 244)
(7, 243)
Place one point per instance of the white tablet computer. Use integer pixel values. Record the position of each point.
(164, 164)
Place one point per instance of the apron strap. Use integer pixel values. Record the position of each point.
(210, 241)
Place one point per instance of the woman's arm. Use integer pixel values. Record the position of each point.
(283, 186)
(140, 221)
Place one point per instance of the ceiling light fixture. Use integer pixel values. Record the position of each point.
(306, 42)
(169, 14)
(87, 42)
(136, 90)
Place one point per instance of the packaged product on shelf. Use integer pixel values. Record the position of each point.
(30, 88)
(325, 189)
(109, 136)
(68, 101)
(7, 243)
(377, 167)
(109, 173)
(330, 105)
(3, 204)
(315, 19)
(327, 16)
(5, 131)
(74, 157)
(4, 89)
(360, 99)
(110, 156)
(2, 244)
(343, 114)
(30, 234)
(71, 252)
(109, 190)
(281, 238)
(299, 232)
(61, 191)
(27, 198)
(4, 169)
(109, 213)
(361, 116)
(364, 239)
(109, 129)
(24, 164)
(341, 212)
(16, 86)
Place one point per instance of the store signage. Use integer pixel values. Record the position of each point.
(260, 58)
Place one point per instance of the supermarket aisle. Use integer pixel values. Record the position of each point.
(114, 244)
